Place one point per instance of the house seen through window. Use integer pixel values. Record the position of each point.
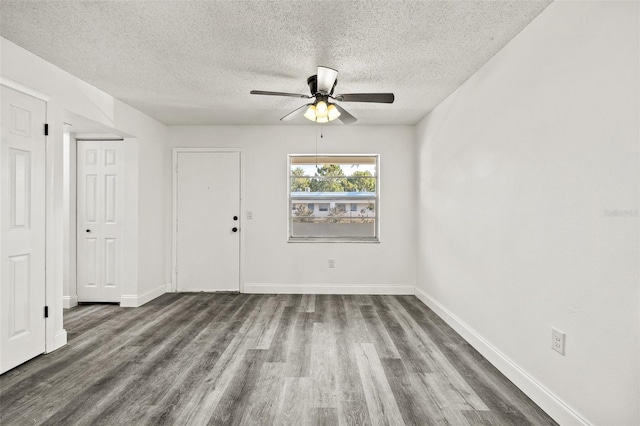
(333, 198)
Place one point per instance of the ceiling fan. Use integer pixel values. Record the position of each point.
(322, 110)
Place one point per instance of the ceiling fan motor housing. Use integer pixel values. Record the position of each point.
(312, 82)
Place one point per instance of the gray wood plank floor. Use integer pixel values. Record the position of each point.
(263, 359)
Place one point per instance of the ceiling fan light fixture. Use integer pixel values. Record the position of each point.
(321, 109)
(311, 113)
(324, 119)
(332, 112)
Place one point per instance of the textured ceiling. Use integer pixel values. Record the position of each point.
(194, 62)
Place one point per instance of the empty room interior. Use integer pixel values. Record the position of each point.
(320, 213)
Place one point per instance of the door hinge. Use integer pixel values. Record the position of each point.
(46, 129)
(46, 312)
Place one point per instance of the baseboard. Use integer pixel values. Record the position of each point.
(59, 340)
(133, 301)
(256, 288)
(550, 403)
(69, 301)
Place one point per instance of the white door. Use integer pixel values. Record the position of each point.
(99, 219)
(208, 221)
(22, 229)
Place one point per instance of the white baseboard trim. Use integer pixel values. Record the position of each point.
(133, 301)
(69, 301)
(549, 402)
(256, 288)
(59, 340)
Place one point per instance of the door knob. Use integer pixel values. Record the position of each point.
(88, 230)
(234, 229)
(235, 218)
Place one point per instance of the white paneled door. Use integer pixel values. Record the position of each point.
(208, 221)
(99, 219)
(22, 228)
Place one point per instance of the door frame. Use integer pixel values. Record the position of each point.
(174, 214)
(52, 339)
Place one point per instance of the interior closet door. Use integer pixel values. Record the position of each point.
(99, 219)
(22, 228)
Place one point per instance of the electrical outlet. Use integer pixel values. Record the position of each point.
(557, 341)
(332, 263)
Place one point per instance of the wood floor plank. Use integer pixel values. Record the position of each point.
(279, 343)
(179, 394)
(416, 406)
(235, 400)
(379, 334)
(354, 324)
(352, 404)
(408, 345)
(299, 348)
(296, 403)
(325, 417)
(197, 358)
(266, 339)
(207, 395)
(264, 400)
(308, 303)
(383, 408)
(322, 364)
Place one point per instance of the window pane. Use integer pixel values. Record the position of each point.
(333, 198)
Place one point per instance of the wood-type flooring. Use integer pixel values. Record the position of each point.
(222, 359)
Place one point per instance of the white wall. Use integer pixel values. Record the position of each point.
(271, 263)
(66, 94)
(69, 290)
(151, 211)
(519, 170)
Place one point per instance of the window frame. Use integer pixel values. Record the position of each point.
(339, 239)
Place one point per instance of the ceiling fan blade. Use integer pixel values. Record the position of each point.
(298, 112)
(345, 117)
(383, 98)
(292, 95)
(326, 79)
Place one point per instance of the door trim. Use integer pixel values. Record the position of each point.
(174, 211)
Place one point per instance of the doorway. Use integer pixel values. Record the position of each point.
(206, 205)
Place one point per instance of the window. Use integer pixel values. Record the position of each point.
(344, 190)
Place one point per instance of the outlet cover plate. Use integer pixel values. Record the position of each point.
(557, 341)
